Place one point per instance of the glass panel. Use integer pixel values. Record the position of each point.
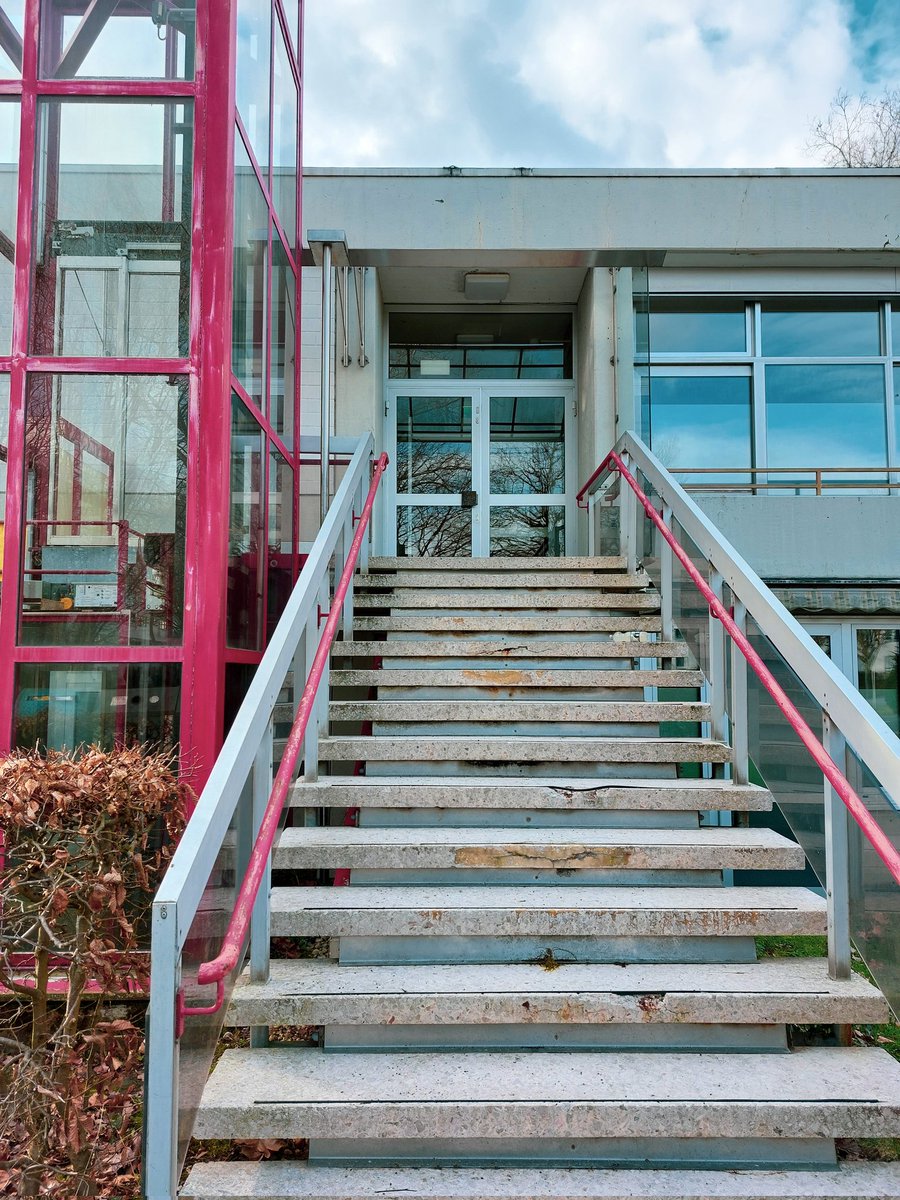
(691, 326)
(877, 662)
(434, 531)
(896, 477)
(283, 366)
(281, 538)
(702, 421)
(895, 327)
(113, 229)
(434, 444)
(826, 416)
(254, 33)
(4, 454)
(824, 334)
(61, 706)
(285, 128)
(11, 41)
(823, 641)
(251, 233)
(9, 172)
(528, 531)
(123, 40)
(106, 459)
(528, 453)
(491, 346)
(246, 539)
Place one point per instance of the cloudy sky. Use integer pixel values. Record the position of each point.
(585, 83)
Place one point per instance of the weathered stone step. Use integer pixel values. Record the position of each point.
(794, 991)
(545, 911)
(285, 1180)
(472, 748)
(508, 648)
(614, 562)
(297, 1093)
(517, 710)
(409, 577)
(512, 598)
(493, 792)
(547, 623)
(331, 847)
(504, 677)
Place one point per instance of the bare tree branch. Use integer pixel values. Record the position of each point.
(859, 131)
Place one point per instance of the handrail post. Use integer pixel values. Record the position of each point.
(311, 737)
(628, 520)
(717, 665)
(363, 562)
(740, 717)
(323, 693)
(592, 533)
(259, 919)
(837, 859)
(161, 1102)
(347, 607)
(665, 583)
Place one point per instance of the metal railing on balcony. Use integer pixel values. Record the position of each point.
(788, 481)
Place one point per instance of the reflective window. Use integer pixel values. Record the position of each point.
(895, 327)
(112, 258)
(701, 421)
(281, 538)
(878, 672)
(527, 444)
(285, 130)
(523, 531)
(9, 182)
(254, 33)
(117, 40)
(11, 31)
(251, 234)
(697, 328)
(482, 346)
(4, 456)
(61, 706)
(283, 362)
(825, 416)
(106, 462)
(434, 531)
(790, 333)
(434, 444)
(246, 535)
(897, 404)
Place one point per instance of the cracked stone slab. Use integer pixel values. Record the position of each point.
(288, 1092)
(521, 749)
(509, 648)
(505, 677)
(332, 847)
(546, 911)
(612, 562)
(412, 577)
(546, 623)
(568, 795)
(772, 991)
(645, 711)
(444, 598)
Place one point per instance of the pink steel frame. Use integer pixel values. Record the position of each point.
(880, 842)
(206, 368)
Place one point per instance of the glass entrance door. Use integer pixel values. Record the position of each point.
(482, 470)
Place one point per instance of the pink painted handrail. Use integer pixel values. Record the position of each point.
(881, 844)
(216, 970)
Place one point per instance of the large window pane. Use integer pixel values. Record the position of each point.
(281, 538)
(825, 416)
(112, 259)
(434, 531)
(790, 333)
(121, 40)
(702, 421)
(254, 33)
(251, 233)
(434, 444)
(895, 327)
(528, 444)
(106, 459)
(246, 536)
(9, 185)
(284, 366)
(694, 327)
(878, 672)
(11, 46)
(528, 532)
(61, 706)
(285, 130)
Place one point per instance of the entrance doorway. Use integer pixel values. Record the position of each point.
(480, 470)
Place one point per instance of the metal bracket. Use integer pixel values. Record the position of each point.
(322, 615)
(182, 1011)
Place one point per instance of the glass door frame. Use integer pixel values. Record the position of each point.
(480, 392)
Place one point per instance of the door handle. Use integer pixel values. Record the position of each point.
(468, 499)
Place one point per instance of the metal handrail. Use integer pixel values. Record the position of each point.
(216, 969)
(882, 845)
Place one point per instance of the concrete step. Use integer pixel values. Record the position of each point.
(509, 648)
(566, 795)
(512, 677)
(517, 710)
(795, 991)
(508, 599)
(331, 847)
(545, 912)
(547, 623)
(549, 565)
(472, 748)
(408, 577)
(299, 1093)
(275, 1180)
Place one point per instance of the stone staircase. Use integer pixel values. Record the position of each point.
(539, 984)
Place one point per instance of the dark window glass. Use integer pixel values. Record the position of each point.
(61, 706)
(895, 327)
(124, 40)
(112, 259)
(527, 445)
(878, 672)
(695, 328)
(486, 346)
(251, 233)
(701, 421)
(434, 444)
(246, 536)
(788, 333)
(106, 481)
(254, 34)
(528, 531)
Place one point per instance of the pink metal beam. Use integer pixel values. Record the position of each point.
(879, 840)
(89, 29)
(216, 970)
